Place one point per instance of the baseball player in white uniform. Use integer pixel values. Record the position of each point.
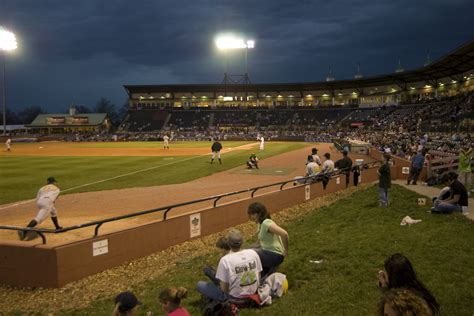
(8, 144)
(262, 143)
(45, 199)
(166, 142)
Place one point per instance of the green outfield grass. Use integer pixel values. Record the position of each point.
(179, 144)
(21, 176)
(352, 237)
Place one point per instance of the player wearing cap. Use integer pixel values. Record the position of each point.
(45, 199)
(8, 144)
(252, 162)
(216, 151)
(238, 272)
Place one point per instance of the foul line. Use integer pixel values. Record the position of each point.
(105, 180)
(116, 177)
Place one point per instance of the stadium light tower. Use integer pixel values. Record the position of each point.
(7, 42)
(229, 42)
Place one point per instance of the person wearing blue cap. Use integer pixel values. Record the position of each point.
(45, 199)
(125, 304)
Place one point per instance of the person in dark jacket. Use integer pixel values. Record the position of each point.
(344, 164)
(216, 151)
(385, 181)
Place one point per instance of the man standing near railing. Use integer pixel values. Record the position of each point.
(416, 166)
(464, 166)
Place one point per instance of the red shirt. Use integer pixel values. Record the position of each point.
(180, 311)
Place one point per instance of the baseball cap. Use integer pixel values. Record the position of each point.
(51, 180)
(235, 238)
(127, 301)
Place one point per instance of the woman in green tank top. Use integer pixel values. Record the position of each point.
(272, 243)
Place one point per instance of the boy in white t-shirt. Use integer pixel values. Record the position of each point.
(238, 272)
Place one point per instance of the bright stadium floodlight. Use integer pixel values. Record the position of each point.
(7, 43)
(229, 42)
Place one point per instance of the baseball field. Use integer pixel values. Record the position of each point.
(101, 180)
(337, 242)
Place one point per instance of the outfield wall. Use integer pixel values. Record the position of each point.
(44, 266)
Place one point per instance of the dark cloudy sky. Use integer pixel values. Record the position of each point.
(79, 50)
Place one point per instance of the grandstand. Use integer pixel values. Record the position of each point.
(417, 99)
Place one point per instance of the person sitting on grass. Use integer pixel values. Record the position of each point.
(272, 242)
(171, 300)
(238, 272)
(252, 162)
(402, 302)
(222, 245)
(399, 273)
(125, 304)
(458, 199)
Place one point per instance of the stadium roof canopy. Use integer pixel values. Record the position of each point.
(453, 65)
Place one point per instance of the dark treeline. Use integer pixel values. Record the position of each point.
(104, 105)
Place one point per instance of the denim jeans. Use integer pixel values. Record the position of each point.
(212, 291)
(270, 261)
(383, 196)
(446, 208)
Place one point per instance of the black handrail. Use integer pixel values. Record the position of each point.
(98, 224)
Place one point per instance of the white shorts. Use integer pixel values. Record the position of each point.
(46, 208)
(218, 154)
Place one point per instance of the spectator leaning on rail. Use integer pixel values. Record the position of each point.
(416, 166)
(458, 201)
(344, 164)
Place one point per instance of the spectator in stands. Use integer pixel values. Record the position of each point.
(272, 242)
(416, 167)
(385, 181)
(344, 164)
(171, 300)
(464, 166)
(458, 200)
(403, 302)
(238, 272)
(399, 273)
(222, 245)
(252, 162)
(125, 304)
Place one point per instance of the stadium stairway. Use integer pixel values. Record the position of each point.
(430, 192)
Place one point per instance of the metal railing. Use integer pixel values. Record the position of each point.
(303, 180)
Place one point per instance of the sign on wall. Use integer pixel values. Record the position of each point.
(307, 192)
(195, 225)
(405, 170)
(338, 180)
(100, 247)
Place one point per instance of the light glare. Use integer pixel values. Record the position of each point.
(7, 40)
(233, 42)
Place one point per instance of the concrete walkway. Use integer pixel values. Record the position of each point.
(430, 192)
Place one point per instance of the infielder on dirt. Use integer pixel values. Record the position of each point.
(8, 144)
(45, 199)
(216, 150)
(166, 144)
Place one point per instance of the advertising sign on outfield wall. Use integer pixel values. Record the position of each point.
(195, 225)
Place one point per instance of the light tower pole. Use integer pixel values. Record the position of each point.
(7, 42)
(231, 42)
